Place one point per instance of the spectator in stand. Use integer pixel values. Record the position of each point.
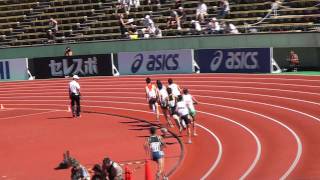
(123, 4)
(230, 28)
(181, 16)
(294, 61)
(136, 3)
(150, 28)
(201, 11)
(122, 25)
(173, 21)
(213, 26)
(132, 31)
(178, 4)
(53, 25)
(224, 9)
(158, 33)
(275, 5)
(111, 169)
(196, 27)
(51, 36)
(68, 52)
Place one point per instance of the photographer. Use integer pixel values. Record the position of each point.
(68, 52)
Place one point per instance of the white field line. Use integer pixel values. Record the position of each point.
(123, 83)
(176, 76)
(13, 117)
(220, 151)
(298, 141)
(103, 90)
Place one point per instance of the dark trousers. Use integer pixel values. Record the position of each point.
(75, 104)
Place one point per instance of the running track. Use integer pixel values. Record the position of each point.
(250, 126)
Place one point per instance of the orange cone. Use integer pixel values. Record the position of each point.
(127, 173)
(148, 175)
(2, 107)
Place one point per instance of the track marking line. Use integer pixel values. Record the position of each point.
(13, 117)
(298, 140)
(220, 151)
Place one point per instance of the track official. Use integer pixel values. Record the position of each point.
(74, 94)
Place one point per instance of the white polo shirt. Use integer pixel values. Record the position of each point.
(74, 87)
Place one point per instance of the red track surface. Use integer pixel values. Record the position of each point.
(252, 126)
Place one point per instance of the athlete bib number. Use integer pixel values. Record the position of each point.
(155, 146)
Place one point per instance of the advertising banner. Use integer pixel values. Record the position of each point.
(243, 60)
(84, 65)
(156, 62)
(13, 69)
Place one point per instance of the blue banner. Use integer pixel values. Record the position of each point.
(243, 60)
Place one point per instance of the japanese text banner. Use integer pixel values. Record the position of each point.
(85, 65)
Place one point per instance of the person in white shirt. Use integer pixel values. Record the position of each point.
(152, 97)
(111, 169)
(224, 9)
(190, 101)
(201, 11)
(183, 113)
(163, 101)
(174, 87)
(79, 172)
(74, 94)
(213, 26)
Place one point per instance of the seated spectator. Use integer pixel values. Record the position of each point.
(294, 61)
(53, 25)
(181, 16)
(201, 11)
(51, 36)
(158, 33)
(213, 27)
(136, 3)
(178, 3)
(111, 169)
(173, 21)
(196, 27)
(224, 9)
(150, 28)
(123, 4)
(68, 52)
(275, 6)
(230, 28)
(79, 172)
(132, 31)
(152, 2)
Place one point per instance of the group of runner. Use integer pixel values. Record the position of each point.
(175, 103)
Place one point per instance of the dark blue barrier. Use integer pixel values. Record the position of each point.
(246, 60)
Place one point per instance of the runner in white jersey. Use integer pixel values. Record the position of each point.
(174, 87)
(190, 101)
(163, 99)
(183, 113)
(151, 96)
(154, 145)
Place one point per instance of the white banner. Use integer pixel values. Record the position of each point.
(156, 62)
(13, 69)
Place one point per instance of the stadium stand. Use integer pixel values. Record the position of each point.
(26, 22)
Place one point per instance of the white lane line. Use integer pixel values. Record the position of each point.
(176, 76)
(220, 151)
(298, 140)
(13, 117)
(137, 83)
(122, 97)
(258, 143)
(103, 90)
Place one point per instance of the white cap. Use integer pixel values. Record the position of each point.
(75, 77)
(214, 19)
(147, 17)
(180, 7)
